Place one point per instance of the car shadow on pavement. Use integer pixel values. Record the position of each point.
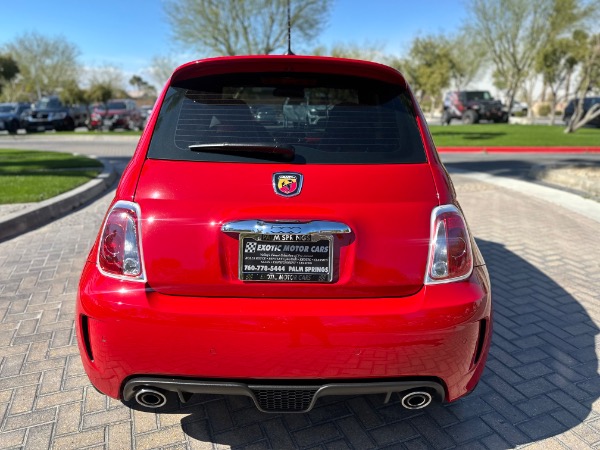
(540, 381)
(519, 169)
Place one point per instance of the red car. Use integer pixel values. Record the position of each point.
(289, 261)
(121, 114)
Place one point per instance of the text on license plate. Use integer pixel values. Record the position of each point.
(298, 258)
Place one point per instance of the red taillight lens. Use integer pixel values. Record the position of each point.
(450, 255)
(119, 251)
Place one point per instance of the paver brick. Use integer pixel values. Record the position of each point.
(29, 419)
(120, 436)
(13, 438)
(39, 437)
(59, 398)
(106, 417)
(79, 440)
(51, 381)
(354, 433)
(23, 399)
(393, 433)
(278, 434)
(69, 418)
(163, 437)
(144, 422)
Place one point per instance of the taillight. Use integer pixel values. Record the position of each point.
(450, 254)
(119, 250)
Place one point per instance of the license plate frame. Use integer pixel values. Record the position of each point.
(285, 258)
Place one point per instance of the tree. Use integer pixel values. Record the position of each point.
(232, 27)
(428, 67)
(161, 69)
(468, 58)
(514, 32)
(589, 55)
(101, 93)
(46, 63)
(366, 52)
(8, 70)
(72, 94)
(142, 86)
(556, 63)
(107, 75)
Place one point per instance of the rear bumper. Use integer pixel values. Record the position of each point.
(125, 331)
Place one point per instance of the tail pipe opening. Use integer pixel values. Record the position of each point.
(150, 398)
(416, 399)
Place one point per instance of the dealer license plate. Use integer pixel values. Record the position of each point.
(286, 257)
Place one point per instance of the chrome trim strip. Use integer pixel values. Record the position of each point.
(262, 227)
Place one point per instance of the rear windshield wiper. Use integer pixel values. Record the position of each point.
(263, 150)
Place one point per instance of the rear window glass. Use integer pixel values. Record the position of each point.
(325, 119)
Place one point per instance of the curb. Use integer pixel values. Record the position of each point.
(41, 213)
(575, 178)
(552, 194)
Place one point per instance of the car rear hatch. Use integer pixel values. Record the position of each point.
(332, 208)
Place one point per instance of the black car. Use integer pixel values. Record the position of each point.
(267, 115)
(472, 106)
(12, 116)
(588, 102)
(51, 114)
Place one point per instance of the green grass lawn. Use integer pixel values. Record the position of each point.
(33, 176)
(504, 135)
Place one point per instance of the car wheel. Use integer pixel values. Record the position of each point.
(131, 125)
(12, 127)
(446, 118)
(470, 117)
(69, 124)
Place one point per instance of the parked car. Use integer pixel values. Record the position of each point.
(519, 109)
(471, 107)
(303, 111)
(588, 102)
(267, 114)
(51, 114)
(284, 263)
(12, 116)
(121, 114)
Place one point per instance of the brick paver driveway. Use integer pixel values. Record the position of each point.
(540, 389)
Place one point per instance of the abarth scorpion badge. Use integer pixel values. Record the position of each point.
(287, 184)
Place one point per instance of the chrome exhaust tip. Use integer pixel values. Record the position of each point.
(150, 398)
(416, 400)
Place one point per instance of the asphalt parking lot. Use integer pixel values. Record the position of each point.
(541, 387)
